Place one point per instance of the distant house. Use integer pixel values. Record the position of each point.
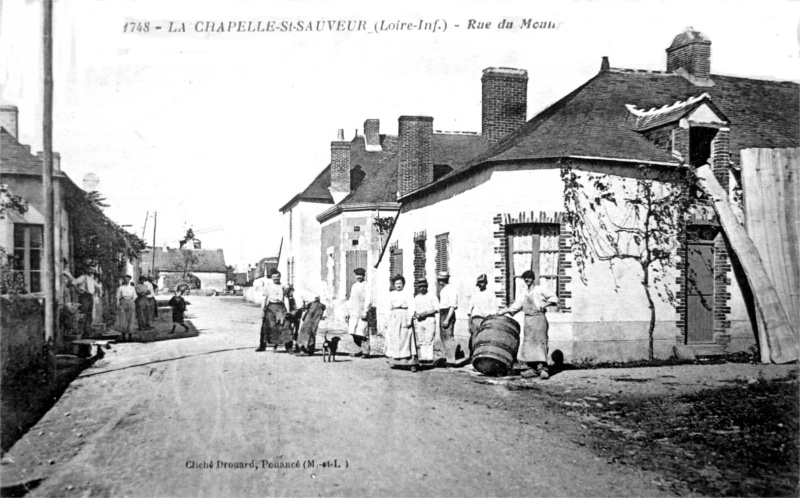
(174, 265)
(503, 211)
(342, 220)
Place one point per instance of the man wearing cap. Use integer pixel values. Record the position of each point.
(274, 313)
(482, 305)
(357, 308)
(87, 287)
(533, 300)
(427, 306)
(126, 304)
(143, 312)
(448, 303)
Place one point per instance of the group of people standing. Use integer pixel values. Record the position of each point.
(414, 321)
(138, 302)
(288, 320)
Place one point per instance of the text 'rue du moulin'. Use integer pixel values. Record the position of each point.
(299, 26)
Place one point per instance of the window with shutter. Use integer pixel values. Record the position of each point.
(395, 262)
(419, 259)
(442, 252)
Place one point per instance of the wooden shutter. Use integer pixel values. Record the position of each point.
(396, 262)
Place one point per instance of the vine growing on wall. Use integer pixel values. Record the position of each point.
(11, 282)
(98, 242)
(640, 220)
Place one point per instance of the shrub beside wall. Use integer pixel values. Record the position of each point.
(21, 334)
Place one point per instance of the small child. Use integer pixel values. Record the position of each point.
(178, 305)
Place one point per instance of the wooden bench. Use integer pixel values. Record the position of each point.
(85, 347)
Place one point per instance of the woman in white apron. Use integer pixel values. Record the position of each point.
(401, 345)
(426, 306)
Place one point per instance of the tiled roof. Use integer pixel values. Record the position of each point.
(15, 158)
(593, 121)
(451, 149)
(317, 190)
(208, 260)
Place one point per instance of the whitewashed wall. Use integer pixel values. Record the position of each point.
(610, 315)
(303, 244)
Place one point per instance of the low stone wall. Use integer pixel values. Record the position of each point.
(21, 335)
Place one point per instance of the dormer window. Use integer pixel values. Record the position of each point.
(686, 129)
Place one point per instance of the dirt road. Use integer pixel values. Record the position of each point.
(162, 419)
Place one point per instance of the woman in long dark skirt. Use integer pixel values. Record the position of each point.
(307, 337)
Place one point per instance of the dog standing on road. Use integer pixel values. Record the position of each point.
(329, 348)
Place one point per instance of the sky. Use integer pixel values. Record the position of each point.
(217, 131)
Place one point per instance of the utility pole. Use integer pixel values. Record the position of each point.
(49, 263)
(155, 225)
(144, 228)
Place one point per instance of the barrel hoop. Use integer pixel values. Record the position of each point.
(498, 345)
(500, 327)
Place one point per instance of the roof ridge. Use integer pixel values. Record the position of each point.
(449, 132)
(622, 70)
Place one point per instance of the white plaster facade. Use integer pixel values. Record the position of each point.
(369, 239)
(300, 258)
(609, 314)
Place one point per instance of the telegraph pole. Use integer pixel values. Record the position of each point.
(145, 223)
(49, 263)
(155, 225)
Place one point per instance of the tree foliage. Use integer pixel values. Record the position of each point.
(187, 263)
(96, 240)
(11, 201)
(639, 220)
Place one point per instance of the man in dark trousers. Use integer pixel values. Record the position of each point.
(274, 313)
(87, 287)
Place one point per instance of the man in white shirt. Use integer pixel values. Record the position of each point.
(448, 303)
(126, 306)
(274, 313)
(357, 308)
(87, 287)
(482, 305)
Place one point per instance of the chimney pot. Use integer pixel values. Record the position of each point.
(504, 102)
(340, 135)
(605, 65)
(690, 50)
(9, 115)
(372, 136)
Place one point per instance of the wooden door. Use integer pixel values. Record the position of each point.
(354, 259)
(699, 291)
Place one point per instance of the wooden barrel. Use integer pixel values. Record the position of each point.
(496, 344)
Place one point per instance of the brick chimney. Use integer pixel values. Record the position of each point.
(8, 119)
(505, 101)
(340, 168)
(372, 138)
(415, 153)
(690, 50)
